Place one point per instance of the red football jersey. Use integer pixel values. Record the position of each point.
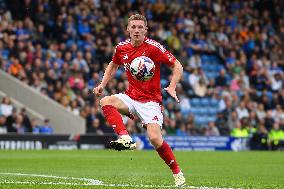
(143, 91)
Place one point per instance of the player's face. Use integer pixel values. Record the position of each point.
(137, 30)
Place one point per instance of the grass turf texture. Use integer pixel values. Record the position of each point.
(259, 170)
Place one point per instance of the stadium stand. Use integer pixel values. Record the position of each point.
(232, 53)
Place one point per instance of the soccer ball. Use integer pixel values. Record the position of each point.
(142, 68)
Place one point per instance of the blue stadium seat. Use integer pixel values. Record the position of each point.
(219, 67)
(198, 120)
(258, 93)
(214, 102)
(194, 111)
(205, 58)
(205, 120)
(69, 43)
(212, 75)
(269, 94)
(119, 73)
(164, 83)
(211, 111)
(195, 102)
(212, 67)
(214, 59)
(201, 111)
(211, 119)
(185, 76)
(190, 92)
(185, 112)
(205, 102)
(205, 67)
(5, 54)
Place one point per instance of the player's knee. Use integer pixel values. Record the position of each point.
(107, 100)
(156, 140)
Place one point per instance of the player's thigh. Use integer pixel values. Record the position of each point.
(116, 102)
(149, 112)
(155, 134)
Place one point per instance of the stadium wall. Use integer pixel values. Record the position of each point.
(94, 141)
(62, 121)
(30, 112)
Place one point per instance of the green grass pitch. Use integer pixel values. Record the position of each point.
(139, 169)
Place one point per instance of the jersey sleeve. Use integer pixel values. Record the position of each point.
(115, 57)
(165, 56)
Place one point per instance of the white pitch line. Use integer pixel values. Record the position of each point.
(90, 182)
(44, 183)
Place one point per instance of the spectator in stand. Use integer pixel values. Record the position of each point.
(191, 129)
(221, 80)
(11, 119)
(276, 137)
(239, 131)
(260, 112)
(15, 67)
(171, 128)
(26, 120)
(96, 127)
(278, 113)
(181, 131)
(193, 78)
(253, 120)
(200, 88)
(6, 106)
(131, 126)
(46, 128)
(80, 63)
(212, 130)
(232, 120)
(18, 125)
(277, 82)
(222, 125)
(259, 140)
(242, 111)
(269, 120)
(3, 126)
(35, 126)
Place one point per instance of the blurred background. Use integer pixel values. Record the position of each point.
(54, 52)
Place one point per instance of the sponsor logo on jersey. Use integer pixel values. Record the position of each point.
(125, 57)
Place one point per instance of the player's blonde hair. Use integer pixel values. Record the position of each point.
(137, 17)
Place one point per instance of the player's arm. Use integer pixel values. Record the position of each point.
(177, 74)
(108, 75)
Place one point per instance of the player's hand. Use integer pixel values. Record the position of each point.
(172, 92)
(98, 91)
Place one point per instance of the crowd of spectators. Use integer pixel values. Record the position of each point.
(14, 121)
(62, 47)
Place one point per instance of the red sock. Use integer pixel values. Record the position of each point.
(167, 155)
(114, 118)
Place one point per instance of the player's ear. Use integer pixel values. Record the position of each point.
(146, 29)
